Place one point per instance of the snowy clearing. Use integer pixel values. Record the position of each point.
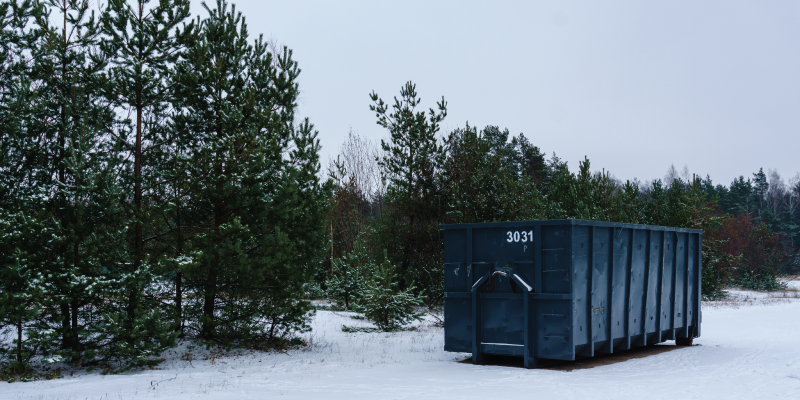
(750, 348)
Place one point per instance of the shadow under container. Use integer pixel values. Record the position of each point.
(568, 289)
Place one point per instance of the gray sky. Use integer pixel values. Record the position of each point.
(633, 85)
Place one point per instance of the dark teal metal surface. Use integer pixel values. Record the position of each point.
(568, 289)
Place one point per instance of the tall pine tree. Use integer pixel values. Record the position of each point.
(22, 200)
(79, 175)
(258, 207)
(480, 180)
(141, 41)
(410, 224)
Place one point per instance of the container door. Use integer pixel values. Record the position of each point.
(505, 257)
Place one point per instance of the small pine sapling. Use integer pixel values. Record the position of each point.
(383, 303)
(346, 282)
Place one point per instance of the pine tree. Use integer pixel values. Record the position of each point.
(383, 303)
(258, 231)
(23, 162)
(412, 149)
(22, 287)
(740, 197)
(346, 281)
(500, 147)
(21, 156)
(21, 200)
(531, 162)
(629, 205)
(760, 189)
(410, 226)
(584, 195)
(141, 41)
(70, 119)
(480, 181)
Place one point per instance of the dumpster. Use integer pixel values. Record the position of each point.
(568, 289)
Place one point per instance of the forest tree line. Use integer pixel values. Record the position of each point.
(157, 184)
(391, 197)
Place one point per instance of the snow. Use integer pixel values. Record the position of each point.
(748, 349)
(743, 298)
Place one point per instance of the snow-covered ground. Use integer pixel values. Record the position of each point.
(749, 349)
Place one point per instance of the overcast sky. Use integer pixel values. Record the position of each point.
(633, 85)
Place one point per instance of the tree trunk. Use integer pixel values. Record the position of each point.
(214, 266)
(74, 337)
(211, 282)
(179, 302)
(208, 331)
(138, 243)
(208, 303)
(19, 341)
(137, 190)
(65, 327)
(179, 280)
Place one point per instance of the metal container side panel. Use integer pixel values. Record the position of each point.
(456, 269)
(691, 285)
(618, 298)
(457, 311)
(553, 334)
(667, 285)
(601, 269)
(639, 271)
(553, 318)
(556, 259)
(698, 314)
(581, 284)
(681, 251)
(653, 297)
(458, 325)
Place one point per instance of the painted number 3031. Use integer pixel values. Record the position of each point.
(519, 236)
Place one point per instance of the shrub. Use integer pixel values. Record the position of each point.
(755, 254)
(383, 303)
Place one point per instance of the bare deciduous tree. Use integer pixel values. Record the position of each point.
(685, 175)
(776, 194)
(359, 191)
(357, 166)
(671, 176)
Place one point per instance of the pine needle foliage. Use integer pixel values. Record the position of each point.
(257, 207)
(23, 225)
(346, 282)
(146, 163)
(384, 303)
(409, 226)
(141, 42)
